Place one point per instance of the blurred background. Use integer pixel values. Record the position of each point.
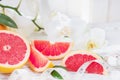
(104, 14)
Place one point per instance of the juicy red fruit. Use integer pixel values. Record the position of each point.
(74, 62)
(37, 59)
(12, 49)
(95, 67)
(40, 45)
(51, 49)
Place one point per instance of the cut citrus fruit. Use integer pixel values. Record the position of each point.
(55, 50)
(14, 51)
(2, 27)
(76, 59)
(38, 62)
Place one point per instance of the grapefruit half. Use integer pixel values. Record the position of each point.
(76, 59)
(14, 51)
(51, 50)
(38, 62)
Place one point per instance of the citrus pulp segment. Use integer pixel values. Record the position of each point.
(38, 62)
(14, 51)
(96, 68)
(55, 50)
(76, 59)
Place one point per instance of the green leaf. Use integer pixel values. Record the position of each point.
(6, 20)
(56, 75)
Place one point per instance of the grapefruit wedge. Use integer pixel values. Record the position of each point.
(76, 59)
(38, 62)
(14, 51)
(51, 50)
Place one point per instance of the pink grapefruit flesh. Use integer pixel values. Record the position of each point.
(38, 62)
(14, 50)
(55, 50)
(95, 67)
(76, 59)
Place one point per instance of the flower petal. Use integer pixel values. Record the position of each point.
(97, 35)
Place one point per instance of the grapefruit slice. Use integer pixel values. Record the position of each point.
(55, 50)
(14, 51)
(38, 62)
(76, 59)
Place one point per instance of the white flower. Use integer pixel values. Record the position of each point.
(58, 5)
(91, 39)
(29, 10)
(10, 2)
(57, 25)
(96, 38)
(25, 26)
